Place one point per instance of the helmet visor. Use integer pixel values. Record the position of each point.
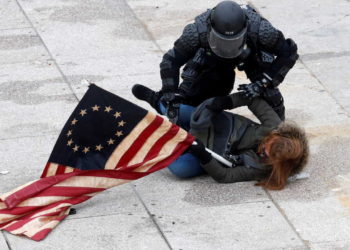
(227, 46)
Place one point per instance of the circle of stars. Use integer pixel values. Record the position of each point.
(94, 148)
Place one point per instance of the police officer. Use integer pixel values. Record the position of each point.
(221, 39)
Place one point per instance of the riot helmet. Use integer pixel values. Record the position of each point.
(228, 29)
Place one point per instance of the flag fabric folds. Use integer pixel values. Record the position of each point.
(107, 141)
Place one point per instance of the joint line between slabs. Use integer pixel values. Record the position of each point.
(287, 220)
(6, 240)
(151, 216)
(47, 50)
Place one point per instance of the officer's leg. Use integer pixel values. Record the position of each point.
(274, 98)
(186, 166)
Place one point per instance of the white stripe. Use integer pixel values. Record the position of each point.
(91, 182)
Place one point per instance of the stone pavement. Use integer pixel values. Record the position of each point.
(48, 48)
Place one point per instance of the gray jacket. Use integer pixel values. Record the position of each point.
(232, 134)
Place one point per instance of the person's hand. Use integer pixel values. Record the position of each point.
(199, 151)
(220, 103)
(251, 90)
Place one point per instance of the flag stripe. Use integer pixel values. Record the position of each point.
(52, 169)
(60, 169)
(167, 151)
(152, 140)
(13, 191)
(179, 149)
(44, 174)
(156, 148)
(128, 141)
(62, 191)
(140, 140)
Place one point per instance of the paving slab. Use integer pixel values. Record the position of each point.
(339, 245)
(162, 190)
(114, 74)
(24, 158)
(319, 207)
(11, 16)
(75, 29)
(201, 214)
(322, 39)
(118, 200)
(21, 45)
(3, 244)
(34, 99)
(121, 231)
(334, 74)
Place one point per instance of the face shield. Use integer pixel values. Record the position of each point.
(227, 46)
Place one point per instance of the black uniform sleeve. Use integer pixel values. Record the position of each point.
(229, 175)
(184, 48)
(285, 51)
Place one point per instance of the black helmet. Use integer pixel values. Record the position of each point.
(228, 29)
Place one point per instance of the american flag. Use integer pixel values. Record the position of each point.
(107, 141)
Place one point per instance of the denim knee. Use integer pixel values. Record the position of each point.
(186, 166)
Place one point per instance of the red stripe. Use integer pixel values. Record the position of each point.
(179, 149)
(154, 151)
(140, 140)
(43, 233)
(158, 146)
(25, 219)
(60, 169)
(45, 170)
(68, 191)
(18, 210)
(34, 188)
(44, 183)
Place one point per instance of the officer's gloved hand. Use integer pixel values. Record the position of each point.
(252, 90)
(220, 103)
(169, 96)
(199, 151)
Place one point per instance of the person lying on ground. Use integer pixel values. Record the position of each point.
(269, 151)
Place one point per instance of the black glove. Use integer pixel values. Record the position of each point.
(252, 90)
(199, 151)
(220, 103)
(169, 96)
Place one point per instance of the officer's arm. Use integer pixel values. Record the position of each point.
(229, 175)
(285, 51)
(184, 48)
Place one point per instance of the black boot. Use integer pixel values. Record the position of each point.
(148, 95)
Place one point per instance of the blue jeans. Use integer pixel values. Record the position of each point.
(187, 165)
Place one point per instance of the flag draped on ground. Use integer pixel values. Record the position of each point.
(107, 141)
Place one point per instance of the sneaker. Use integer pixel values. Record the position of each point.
(143, 93)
